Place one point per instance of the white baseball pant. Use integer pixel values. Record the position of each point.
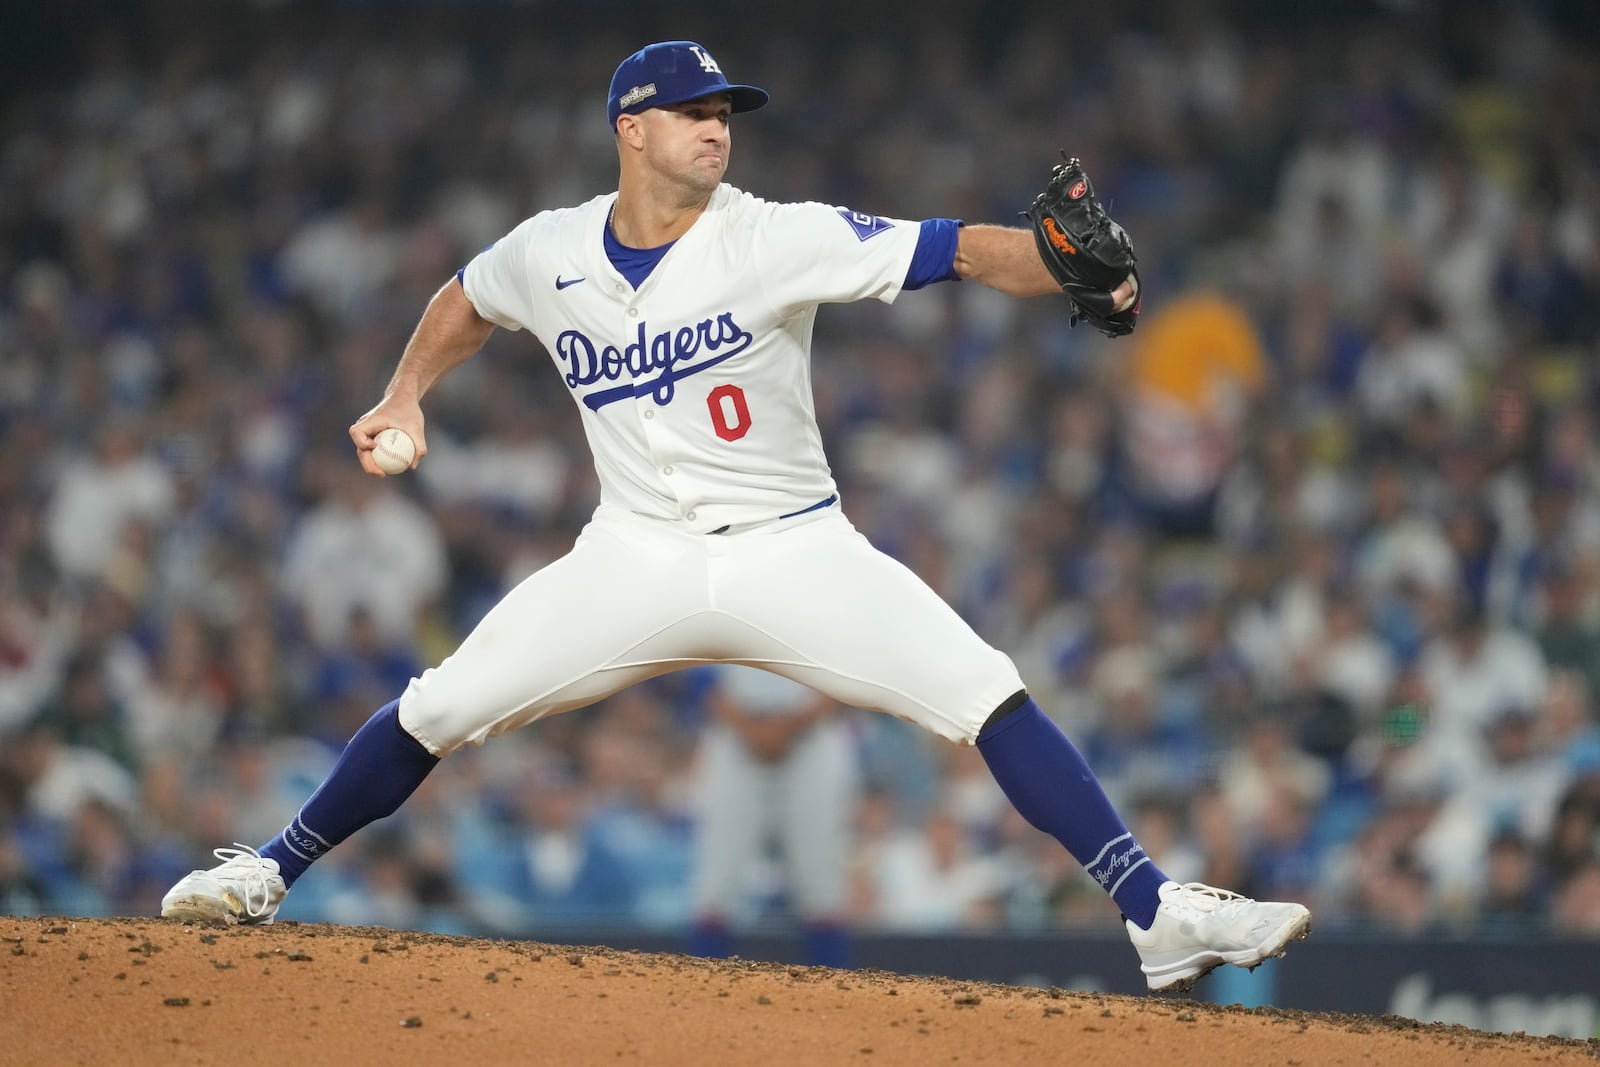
(806, 597)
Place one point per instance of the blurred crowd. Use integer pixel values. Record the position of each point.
(1309, 567)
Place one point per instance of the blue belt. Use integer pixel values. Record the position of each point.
(818, 506)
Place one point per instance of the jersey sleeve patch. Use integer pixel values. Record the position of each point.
(863, 224)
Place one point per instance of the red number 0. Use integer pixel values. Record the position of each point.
(730, 415)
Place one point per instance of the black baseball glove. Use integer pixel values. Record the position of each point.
(1084, 249)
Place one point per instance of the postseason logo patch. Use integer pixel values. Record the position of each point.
(865, 225)
(636, 94)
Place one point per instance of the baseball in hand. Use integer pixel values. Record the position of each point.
(394, 451)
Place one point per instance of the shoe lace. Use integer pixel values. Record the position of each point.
(251, 871)
(1204, 897)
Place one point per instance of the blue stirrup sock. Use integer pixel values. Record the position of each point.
(1047, 781)
(380, 767)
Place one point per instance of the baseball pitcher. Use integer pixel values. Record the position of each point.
(677, 310)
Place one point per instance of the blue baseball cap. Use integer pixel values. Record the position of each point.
(671, 72)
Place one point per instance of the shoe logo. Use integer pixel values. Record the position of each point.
(562, 283)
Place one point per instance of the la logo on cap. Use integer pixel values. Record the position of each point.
(707, 64)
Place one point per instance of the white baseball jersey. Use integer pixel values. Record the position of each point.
(695, 393)
(716, 538)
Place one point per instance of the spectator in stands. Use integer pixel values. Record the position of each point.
(86, 714)
(176, 715)
(1412, 366)
(1196, 370)
(98, 494)
(777, 777)
(1574, 836)
(363, 546)
(561, 872)
(1475, 667)
(1576, 909)
(935, 878)
(1513, 783)
(1514, 896)
(58, 782)
(1568, 633)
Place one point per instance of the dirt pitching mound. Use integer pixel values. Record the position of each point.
(148, 991)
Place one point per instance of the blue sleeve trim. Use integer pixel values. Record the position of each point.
(935, 257)
(461, 277)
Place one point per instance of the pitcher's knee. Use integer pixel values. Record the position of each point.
(1000, 693)
(432, 722)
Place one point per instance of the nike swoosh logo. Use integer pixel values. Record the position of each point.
(562, 283)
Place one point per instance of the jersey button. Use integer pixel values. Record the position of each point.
(633, 313)
(666, 470)
(691, 516)
(649, 413)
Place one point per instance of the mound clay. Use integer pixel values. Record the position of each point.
(147, 991)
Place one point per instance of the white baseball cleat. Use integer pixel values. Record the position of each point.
(1198, 928)
(245, 888)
